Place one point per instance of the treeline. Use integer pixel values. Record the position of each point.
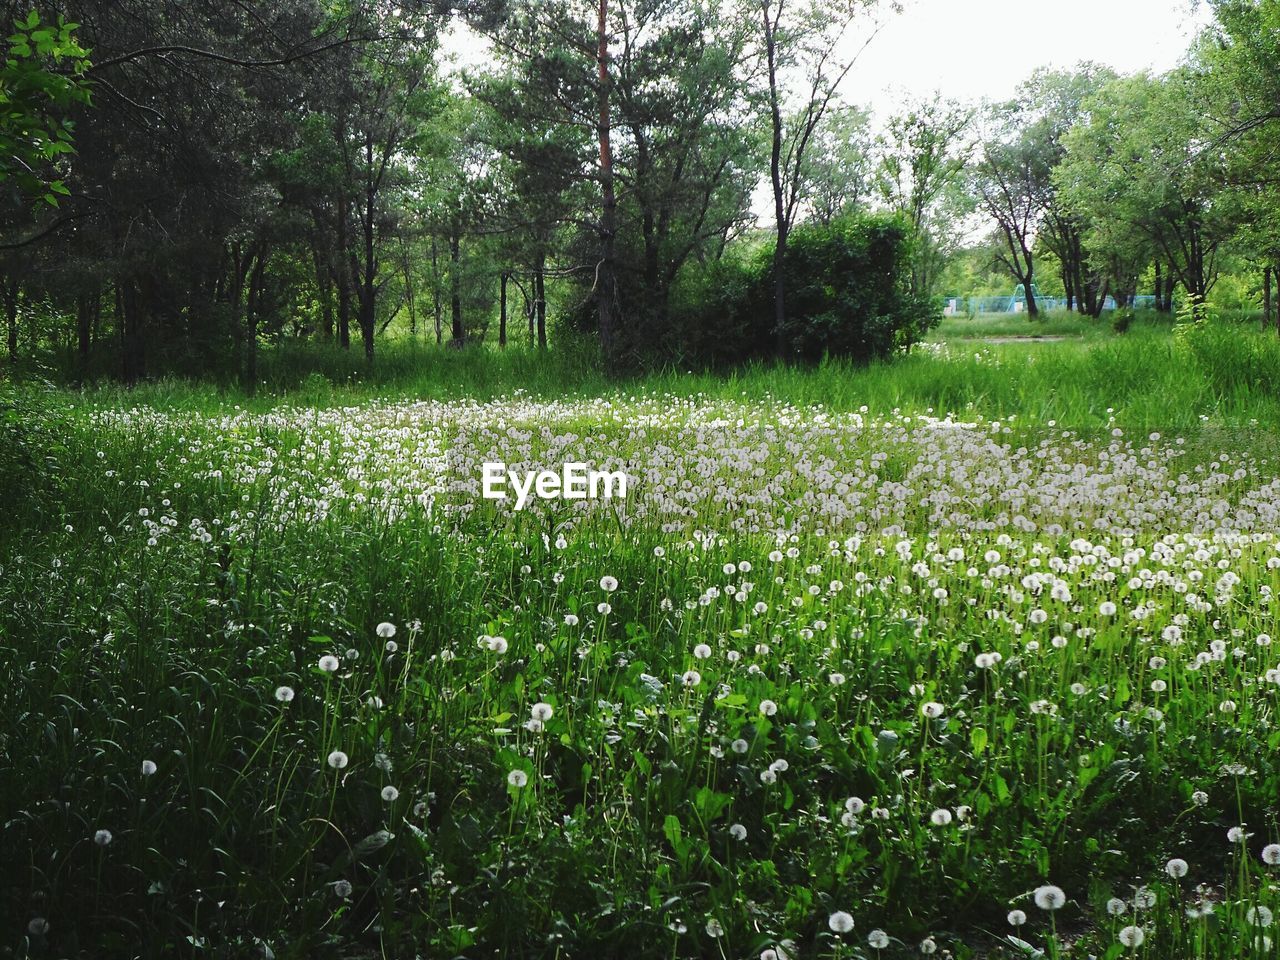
(1162, 179)
(249, 172)
(182, 183)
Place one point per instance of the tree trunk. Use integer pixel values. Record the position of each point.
(86, 304)
(408, 297)
(502, 311)
(131, 313)
(252, 310)
(10, 291)
(435, 290)
(1266, 298)
(324, 287)
(325, 306)
(529, 313)
(342, 276)
(344, 314)
(540, 300)
(775, 177)
(1275, 272)
(1101, 299)
(606, 289)
(367, 318)
(456, 333)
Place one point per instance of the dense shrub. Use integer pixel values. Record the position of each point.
(31, 448)
(846, 296)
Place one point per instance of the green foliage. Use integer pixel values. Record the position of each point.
(42, 77)
(32, 448)
(1231, 355)
(151, 617)
(848, 295)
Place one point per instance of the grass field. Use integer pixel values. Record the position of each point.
(969, 654)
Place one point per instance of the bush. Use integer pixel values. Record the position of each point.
(31, 448)
(846, 296)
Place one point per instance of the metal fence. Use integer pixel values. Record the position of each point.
(975, 305)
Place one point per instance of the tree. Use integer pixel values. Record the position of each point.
(42, 77)
(1052, 102)
(1139, 172)
(924, 152)
(798, 43)
(1012, 177)
(679, 163)
(381, 109)
(1242, 86)
(838, 172)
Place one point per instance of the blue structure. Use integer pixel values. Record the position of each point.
(1017, 303)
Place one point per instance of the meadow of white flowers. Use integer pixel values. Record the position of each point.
(823, 685)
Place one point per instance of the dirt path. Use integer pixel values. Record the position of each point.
(1025, 339)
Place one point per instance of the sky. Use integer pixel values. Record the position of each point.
(975, 49)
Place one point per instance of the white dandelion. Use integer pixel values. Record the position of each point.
(1131, 936)
(1049, 897)
(840, 922)
(1259, 916)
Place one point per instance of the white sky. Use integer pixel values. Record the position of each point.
(974, 49)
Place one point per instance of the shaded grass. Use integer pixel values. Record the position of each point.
(1142, 379)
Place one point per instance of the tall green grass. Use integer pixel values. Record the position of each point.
(1225, 378)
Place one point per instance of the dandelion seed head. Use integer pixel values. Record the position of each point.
(1131, 936)
(840, 922)
(1049, 897)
